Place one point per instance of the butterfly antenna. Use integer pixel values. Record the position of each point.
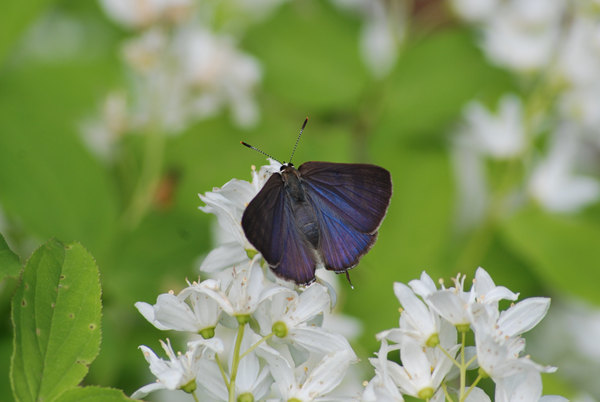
(258, 150)
(298, 139)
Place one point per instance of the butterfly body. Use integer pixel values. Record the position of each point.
(322, 213)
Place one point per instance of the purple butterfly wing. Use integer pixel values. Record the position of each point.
(269, 225)
(351, 200)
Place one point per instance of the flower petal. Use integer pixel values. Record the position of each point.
(523, 316)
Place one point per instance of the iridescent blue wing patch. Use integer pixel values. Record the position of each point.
(269, 225)
(351, 200)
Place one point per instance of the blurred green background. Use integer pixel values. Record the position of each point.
(51, 185)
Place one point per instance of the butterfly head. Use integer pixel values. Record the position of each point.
(285, 166)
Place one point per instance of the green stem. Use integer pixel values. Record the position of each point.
(222, 370)
(195, 397)
(479, 377)
(446, 393)
(463, 368)
(145, 189)
(448, 355)
(236, 361)
(251, 348)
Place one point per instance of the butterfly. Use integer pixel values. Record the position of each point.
(322, 213)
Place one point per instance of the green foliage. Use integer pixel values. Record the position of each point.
(310, 61)
(9, 261)
(15, 18)
(563, 251)
(56, 316)
(93, 394)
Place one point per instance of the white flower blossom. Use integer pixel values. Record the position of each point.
(171, 312)
(497, 342)
(228, 204)
(382, 387)
(498, 135)
(382, 33)
(417, 321)
(192, 310)
(252, 377)
(498, 350)
(477, 11)
(311, 380)
(554, 183)
(180, 371)
(221, 73)
(141, 13)
(246, 290)
(484, 290)
(522, 34)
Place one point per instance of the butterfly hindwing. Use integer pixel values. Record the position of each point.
(351, 200)
(269, 225)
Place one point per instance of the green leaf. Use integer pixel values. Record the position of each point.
(93, 394)
(310, 55)
(16, 15)
(48, 179)
(9, 261)
(563, 251)
(434, 78)
(56, 316)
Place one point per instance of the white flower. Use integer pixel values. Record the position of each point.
(418, 376)
(291, 309)
(228, 204)
(291, 318)
(496, 337)
(485, 291)
(498, 135)
(477, 11)
(525, 386)
(417, 321)
(225, 75)
(424, 286)
(522, 34)
(382, 33)
(553, 182)
(141, 13)
(146, 53)
(251, 378)
(246, 290)
(477, 395)
(192, 310)
(101, 133)
(382, 387)
(579, 57)
(180, 371)
(451, 304)
(311, 380)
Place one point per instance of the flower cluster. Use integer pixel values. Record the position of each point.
(183, 66)
(253, 336)
(431, 338)
(545, 137)
(382, 33)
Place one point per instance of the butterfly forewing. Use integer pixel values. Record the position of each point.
(269, 225)
(359, 194)
(351, 200)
